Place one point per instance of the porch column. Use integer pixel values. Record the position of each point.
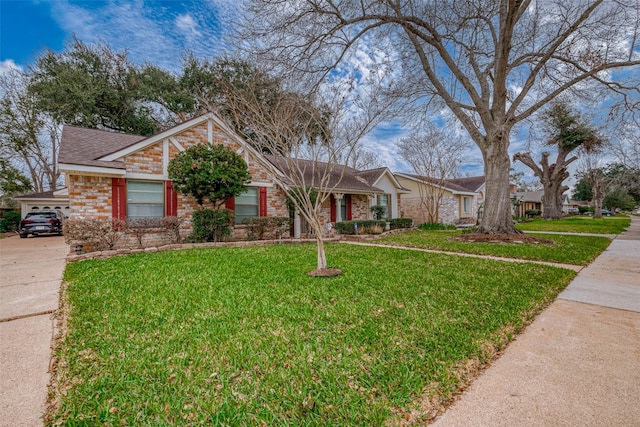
(338, 197)
(297, 225)
(394, 206)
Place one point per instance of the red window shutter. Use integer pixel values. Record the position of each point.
(118, 198)
(332, 206)
(349, 211)
(230, 204)
(171, 199)
(262, 201)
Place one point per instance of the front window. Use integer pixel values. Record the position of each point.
(246, 204)
(145, 199)
(466, 205)
(385, 200)
(343, 208)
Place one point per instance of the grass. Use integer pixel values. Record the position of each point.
(579, 224)
(242, 336)
(568, 249)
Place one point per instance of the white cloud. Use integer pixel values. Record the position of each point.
(7, 65)
(187, 25)
(150, 33)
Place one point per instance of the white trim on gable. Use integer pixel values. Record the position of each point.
(98, 170)
(210, 131)
(155, 138)
(165, 156)
(388, 172)
(176, 143)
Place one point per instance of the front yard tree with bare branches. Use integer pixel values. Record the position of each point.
(436, 155)
(313, 141)
(567, 132)
(494, 64)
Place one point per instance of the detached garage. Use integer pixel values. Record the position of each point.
(58, 199)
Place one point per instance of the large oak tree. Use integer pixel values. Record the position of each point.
(493, 63)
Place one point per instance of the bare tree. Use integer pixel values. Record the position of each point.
(625, 146)
(29, 136)
(363, 159)
(494, 64)
(593, 170)
(310, 143)
(435, 154)
(568, 132)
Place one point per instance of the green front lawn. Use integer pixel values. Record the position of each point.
(568, 249)
(242, 336)
(579, 224)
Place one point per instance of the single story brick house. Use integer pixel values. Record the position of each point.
(115, 175)
(461, 197)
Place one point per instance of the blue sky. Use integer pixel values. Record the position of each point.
(155, 31)
(159, 32)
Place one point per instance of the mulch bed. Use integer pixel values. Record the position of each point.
(501, 238)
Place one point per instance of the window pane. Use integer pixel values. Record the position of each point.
(145, 192)
(249, 197)
(246, 205)
(145, 199)
(135, 210)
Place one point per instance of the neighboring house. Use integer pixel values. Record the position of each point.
(58, 199)
(114, 175)
(460, 202)
(527, 200)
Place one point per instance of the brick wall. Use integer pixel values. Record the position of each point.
(359, 207)
(147, 161)
(89, 196)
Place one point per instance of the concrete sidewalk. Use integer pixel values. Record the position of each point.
(578, 363)
(30, 276)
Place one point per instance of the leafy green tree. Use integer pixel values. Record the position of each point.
(582, 190)
(211, 83)
(567, 132)
(619, 198)
(623, 179)
(12, 182)
(212, 172)
(96, 87)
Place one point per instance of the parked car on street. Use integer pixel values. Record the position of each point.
(573, 211)
(42, 222)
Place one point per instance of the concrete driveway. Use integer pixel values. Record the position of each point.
(30, 275)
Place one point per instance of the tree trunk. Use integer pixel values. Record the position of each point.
(322, 258)
(497, 217)
(552, 200)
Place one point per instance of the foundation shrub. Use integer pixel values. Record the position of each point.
(349, 227)
(212, 225)
(261, 228)
(396, 223)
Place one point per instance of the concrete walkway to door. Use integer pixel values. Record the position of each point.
(30, 275)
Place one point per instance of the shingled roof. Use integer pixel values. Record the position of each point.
(341, 178)
(449, 184)
(472, 183)
(81, 146)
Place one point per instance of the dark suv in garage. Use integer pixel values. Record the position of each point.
(41, 222)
